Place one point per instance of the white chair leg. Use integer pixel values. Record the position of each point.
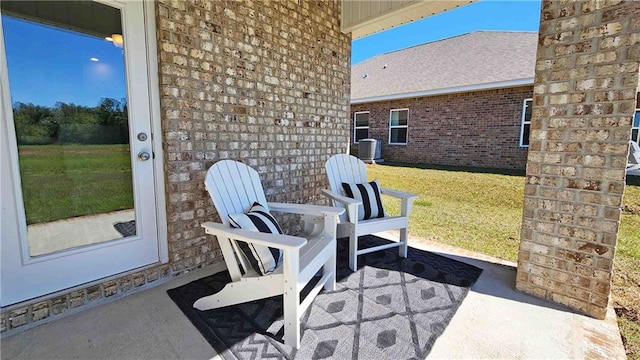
(291, 299)
(292, 315)
(402, 250)
(330, 267)
(353, 251)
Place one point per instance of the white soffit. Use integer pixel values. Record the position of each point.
(365, 17)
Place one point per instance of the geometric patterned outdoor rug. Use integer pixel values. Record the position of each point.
(126, 229)
(391, 308)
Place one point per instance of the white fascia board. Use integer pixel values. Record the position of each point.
(443, 91)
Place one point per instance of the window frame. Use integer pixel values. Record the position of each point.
(633, 122)
(398, 127)
(356, 128)
(524, 122)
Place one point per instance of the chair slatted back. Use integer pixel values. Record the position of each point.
(233, 187)
(344, 168)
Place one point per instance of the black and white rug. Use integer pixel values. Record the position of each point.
(126, 228)
(391, 308)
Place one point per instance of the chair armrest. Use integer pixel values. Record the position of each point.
(305, 209)
(406, 199)
(341, 199)
(349, 203)
(398, 194)
(279, 241)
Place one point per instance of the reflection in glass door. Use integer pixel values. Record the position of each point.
(67, 81)
(78, 194)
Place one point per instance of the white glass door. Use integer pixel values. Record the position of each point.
(78, 189)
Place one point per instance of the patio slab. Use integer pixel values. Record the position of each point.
(494, 321)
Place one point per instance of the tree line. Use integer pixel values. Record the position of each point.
(106, 123)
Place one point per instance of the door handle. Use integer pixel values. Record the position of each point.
(144, 156)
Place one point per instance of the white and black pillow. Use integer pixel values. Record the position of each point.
(263, 259)
(369, 195)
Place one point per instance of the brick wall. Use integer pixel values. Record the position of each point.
(584, 99)
(264, 82)
(480, 128)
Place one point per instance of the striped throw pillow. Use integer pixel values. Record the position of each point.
(263, 259)
(369, 194)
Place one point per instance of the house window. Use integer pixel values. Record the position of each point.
(398, 126)
(635, 130)
(360, 126)
(525, 129)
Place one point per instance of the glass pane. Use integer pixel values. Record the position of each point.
(362, 119)
(525, 134)
(361, 134)
(634, 135)
(69, 99)
(399, 117)
(527, 110)
(636, 120)
(399, 136)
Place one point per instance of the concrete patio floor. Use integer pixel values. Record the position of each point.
(494, 321)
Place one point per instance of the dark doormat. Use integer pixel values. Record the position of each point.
(391, 308)
(126, 229)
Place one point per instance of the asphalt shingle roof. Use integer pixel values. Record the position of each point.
(481, 57)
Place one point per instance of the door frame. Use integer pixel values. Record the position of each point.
(16, 212)
(149, 10)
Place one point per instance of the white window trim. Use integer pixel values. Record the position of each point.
(355, 128)
(523, 122)
(635, 127)
(398, 127)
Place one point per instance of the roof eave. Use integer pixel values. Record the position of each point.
(443, 91)
(362, 18)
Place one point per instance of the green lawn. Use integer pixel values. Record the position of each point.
(476, 211)
(483, 212)
(63, 181)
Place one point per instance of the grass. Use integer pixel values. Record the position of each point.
(626, 277)
(476, 211)
(64, 181)
(482, 212)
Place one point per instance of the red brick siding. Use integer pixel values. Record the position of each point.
(480, 128)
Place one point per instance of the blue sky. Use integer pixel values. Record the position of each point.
(47, 65)
(514, 15)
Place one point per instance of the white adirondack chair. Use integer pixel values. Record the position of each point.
(343, 168)
(234, 187)
(633, 164)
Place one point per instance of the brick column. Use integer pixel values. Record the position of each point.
(584, 99)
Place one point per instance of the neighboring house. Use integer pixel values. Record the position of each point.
(464, 100)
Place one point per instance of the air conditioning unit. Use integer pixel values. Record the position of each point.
(370, 151)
